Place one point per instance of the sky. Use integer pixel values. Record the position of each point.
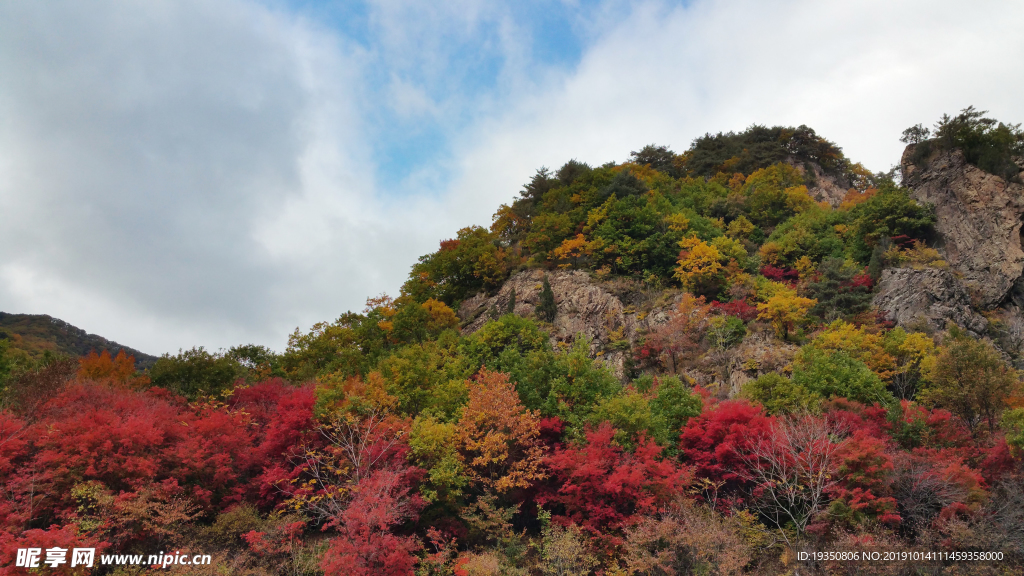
(188, 173)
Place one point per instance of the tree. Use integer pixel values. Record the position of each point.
(118, 371)
(971, 380)
(915, 134)
(658, 157)
(195, 372)
(499, 440)
(685, 538)
(546, 309)
(511, 307)
(603, 489)
(840, 288)
(837, 374)
(784, 311)
(699, 268)
(793, 469)
(715, 441)
(681, 338)
(780, 395)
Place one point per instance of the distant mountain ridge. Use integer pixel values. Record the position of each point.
(37, 333)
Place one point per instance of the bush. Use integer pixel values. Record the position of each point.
(780, 395)
(837, 374)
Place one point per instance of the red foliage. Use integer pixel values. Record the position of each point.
(366, 545)
(738, 308)
(66, 537)
(551, 430)
(853, 416)
(283, 415)
(787, 275)
(449, 245)
(604, 490)
(866, 477)
(715, 441)
(859, 281)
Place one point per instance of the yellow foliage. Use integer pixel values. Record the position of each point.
(599, 214)
(771, 253)
(804, 266)
(858, 343)
(740, 228)
(441, 316)
(499, 439)
(698, 263)
(918, 255)
(798, 199)
(572, 248)
(765, 289)
(677, 222)
(784, 311)
(729, 249)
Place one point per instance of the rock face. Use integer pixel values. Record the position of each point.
(584, 307)
(978, 219)
(925, 298)
(821, 186)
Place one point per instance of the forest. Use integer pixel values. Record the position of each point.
(394, 441)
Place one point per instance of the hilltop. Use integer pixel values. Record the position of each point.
(36, 334)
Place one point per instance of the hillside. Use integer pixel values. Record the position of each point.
(36, 334)
(701, 362)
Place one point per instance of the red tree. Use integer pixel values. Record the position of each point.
(603, 489)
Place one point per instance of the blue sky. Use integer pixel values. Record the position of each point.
(179, 173)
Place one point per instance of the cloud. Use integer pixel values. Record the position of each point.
(180, 173)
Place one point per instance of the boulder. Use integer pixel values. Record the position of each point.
(978, 221)
(925, 299)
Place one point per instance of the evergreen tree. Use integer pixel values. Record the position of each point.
(546, 310)
(511, 309)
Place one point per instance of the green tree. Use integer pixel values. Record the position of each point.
(971, 380)
(675, 403)
(836, 291)
(546, 309)
(196, 372)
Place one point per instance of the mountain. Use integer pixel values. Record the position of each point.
(38, 333)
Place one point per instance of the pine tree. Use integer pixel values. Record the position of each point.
(546, 310)
(511, 303)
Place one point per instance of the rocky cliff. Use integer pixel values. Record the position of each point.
(978, 221)
(612, 315)
(926, 300)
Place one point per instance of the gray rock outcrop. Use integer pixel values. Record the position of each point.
(584, 307)
(978, 220)
(821, 186)
(925, 299)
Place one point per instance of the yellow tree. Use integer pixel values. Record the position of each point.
(499, 439)
(699, 268)
(785, 310)
(572, 249)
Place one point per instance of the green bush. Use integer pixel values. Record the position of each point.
(837, 374)
(780, 395)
